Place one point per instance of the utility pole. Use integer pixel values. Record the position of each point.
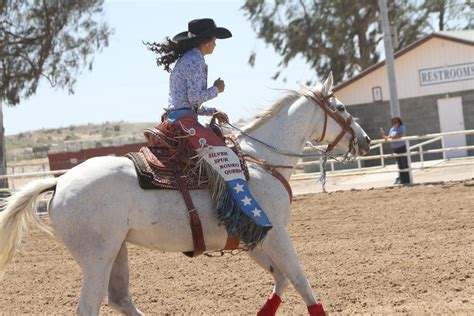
(3, 167)
(389, 60)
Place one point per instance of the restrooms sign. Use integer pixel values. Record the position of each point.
(431, 76)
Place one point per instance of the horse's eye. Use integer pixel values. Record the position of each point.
(341, 108)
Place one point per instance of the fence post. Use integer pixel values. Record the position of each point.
(382, 159)
(442, 146)
(320, 164)
(408, 153)
(421, 156)
(12, 183)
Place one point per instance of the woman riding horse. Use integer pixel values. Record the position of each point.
(238, 209)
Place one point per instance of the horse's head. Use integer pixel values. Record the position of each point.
(335, 125)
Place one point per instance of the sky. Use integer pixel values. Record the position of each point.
(126, 85)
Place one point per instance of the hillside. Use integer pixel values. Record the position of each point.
(36, 144)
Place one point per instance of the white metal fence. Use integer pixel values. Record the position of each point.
(356, 168)
(413, 150)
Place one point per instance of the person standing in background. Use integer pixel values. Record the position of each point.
(398, 131)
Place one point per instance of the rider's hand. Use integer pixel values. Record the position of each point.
(219, 84)
(221, 117)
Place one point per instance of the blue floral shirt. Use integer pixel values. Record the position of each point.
(188, 84)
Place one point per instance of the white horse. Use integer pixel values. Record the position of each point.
(98, 206)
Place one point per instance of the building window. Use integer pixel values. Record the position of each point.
(377, 93)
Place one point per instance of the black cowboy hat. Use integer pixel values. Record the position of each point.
(202, 28)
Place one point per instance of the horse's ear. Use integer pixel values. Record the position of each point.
(327, 85)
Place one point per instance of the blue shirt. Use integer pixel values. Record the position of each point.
(397, 132)
(188, 84)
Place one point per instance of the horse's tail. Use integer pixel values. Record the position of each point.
(15, 214)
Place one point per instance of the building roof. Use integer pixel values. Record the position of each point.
(467, 35)
(463, 37)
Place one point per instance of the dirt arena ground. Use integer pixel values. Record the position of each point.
(407, 250)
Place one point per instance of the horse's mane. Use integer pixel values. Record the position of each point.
(252, 123)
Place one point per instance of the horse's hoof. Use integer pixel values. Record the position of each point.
(271, 306)
(316, 310)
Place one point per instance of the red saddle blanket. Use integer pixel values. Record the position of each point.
(169, 154)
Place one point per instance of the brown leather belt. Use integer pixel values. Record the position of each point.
(195, 222)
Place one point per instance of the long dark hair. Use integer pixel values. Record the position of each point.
(169, 51)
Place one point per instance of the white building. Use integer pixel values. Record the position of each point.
(435, 85)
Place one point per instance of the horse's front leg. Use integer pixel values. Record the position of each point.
(280, 249)
(281, 281)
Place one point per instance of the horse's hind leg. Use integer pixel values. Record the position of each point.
(119, 293)
(280, 249)
(281, 281)
(95, 253)
(94, 288)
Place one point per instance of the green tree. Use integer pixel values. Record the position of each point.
(449, 14)
(343, 35)
(51, 40)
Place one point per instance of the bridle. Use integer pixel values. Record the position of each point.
(345, 124)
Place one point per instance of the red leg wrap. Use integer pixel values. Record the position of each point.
(316, 310)
(271, 306)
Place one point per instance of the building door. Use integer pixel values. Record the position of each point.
(451, 119)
